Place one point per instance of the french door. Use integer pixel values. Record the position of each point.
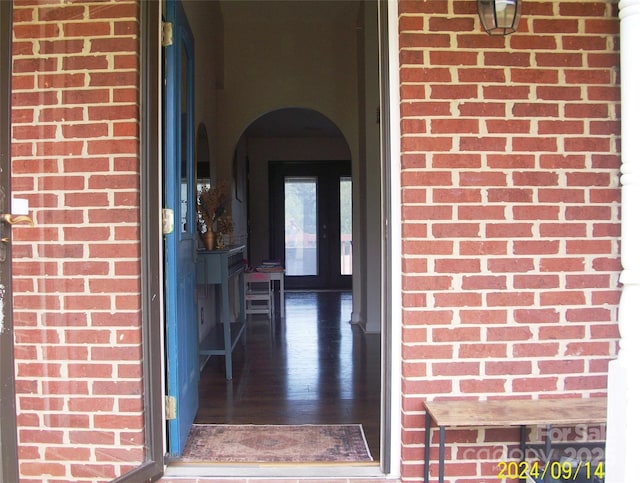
(311, 216)
(180, 239)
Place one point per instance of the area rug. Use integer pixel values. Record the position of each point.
(225, 443)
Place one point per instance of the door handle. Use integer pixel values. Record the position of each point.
(15, 220)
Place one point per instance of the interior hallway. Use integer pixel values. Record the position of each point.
(311, 367)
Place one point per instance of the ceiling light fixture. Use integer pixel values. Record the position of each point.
(499, 17)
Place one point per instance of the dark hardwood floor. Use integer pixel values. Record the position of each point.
(312, 367)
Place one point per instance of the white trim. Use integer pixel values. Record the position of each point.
(623, 419)
(299, 471)
(394, 326)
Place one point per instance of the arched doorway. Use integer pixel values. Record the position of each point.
(300, 190)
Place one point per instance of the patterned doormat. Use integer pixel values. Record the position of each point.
(227, 443)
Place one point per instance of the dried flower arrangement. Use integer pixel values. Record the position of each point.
(212, 202)
(225, 230)
(225, 225)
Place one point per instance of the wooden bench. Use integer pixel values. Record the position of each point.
(496, 413)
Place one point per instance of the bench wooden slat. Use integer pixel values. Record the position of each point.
(513, 412)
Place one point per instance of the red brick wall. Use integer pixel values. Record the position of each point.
(77, 272)
(510, 202)
(510, 206)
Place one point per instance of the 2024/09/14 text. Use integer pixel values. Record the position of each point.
(514, 470)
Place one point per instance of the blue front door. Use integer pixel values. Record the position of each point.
(182, 359)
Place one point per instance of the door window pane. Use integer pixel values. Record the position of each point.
(345, 226)
(187, 191)
(301, 228)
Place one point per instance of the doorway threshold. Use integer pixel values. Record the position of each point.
(282, 470)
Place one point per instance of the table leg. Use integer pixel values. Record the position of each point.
(226, 320)
(441, 456)
(243, 314)
(427, 446)
(281, 291)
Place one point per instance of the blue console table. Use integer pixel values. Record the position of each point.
(219, 268)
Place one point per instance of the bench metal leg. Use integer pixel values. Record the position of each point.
(523, 448)
(441, 455)
(547, 451)
(427, 446)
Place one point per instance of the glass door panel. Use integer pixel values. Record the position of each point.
(346, 232)
(301, 227)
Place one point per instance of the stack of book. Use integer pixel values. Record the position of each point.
(270, 266)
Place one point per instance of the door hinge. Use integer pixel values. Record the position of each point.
(167, 34)
(170, 408)
(167, 221)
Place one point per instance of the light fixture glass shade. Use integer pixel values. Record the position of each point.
(499, 17)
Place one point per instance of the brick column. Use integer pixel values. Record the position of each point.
(624, 385)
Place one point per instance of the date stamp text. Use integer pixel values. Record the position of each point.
(565, 470)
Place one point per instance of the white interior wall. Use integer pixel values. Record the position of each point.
(206, 24)
(372, 283)
(285, 54)
(202, 16)
(292, 54)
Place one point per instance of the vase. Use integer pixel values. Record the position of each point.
(209, 239)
